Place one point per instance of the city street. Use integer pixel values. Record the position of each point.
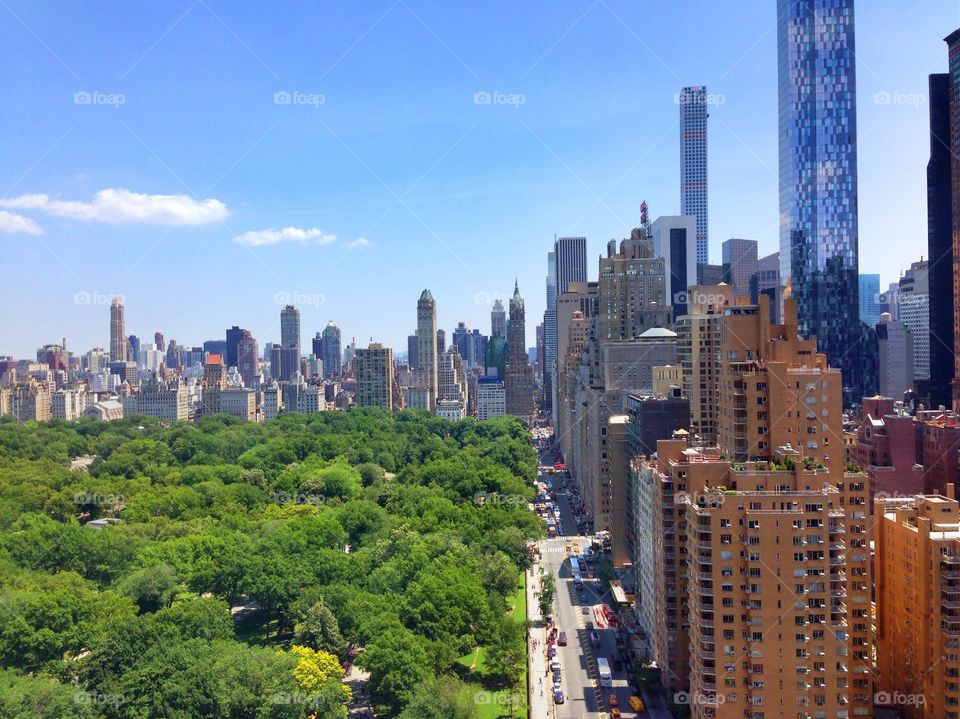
(583, 695)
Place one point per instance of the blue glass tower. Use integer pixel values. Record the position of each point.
(818, 177)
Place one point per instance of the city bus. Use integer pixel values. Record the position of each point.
(574, 566)
(603, 671)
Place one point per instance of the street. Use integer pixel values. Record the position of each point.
(583, 695)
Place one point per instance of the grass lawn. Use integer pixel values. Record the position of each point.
(498, 706)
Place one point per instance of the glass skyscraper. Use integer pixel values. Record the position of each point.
(818, 177)
(693, 162)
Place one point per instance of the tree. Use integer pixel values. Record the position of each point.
(151, 587)
(507, 652)
(398, 664)
(319, 676)
(546, 593)
(319, 630)
(446, 698)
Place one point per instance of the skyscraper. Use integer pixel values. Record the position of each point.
(944, 144)
(913, 305)
(953, 42)
(375, 376)
(818, 176)
(674, 239)
(427, 346)
(567, 263)
(570, 256)
(519, 374)
(118, 334)
(413, 356)
(693, 163)
(869, 289)
(290, 328)
(547, 335)
(247, 358)
(740, 266)
(498, 320)
(158, 341)
(234, 335)
(331, 349)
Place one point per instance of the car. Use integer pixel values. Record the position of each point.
(556, 675)
(551, 651)
(562, 639)
(558, 696)
(576, 549)
(594, 638)
(589, 626)
(617, 665)
(555, 665)
(636, 703)
(586, 610)
(612, 700)
(615, 713)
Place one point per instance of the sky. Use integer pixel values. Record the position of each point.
(212, 160)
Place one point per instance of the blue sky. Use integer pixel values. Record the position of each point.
(390, 172)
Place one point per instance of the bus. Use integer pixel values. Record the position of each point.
(603, 671)
(577, 581)
(574, 566)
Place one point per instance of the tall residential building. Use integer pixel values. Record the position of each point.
(913, 309)
(451, 379)
(519, 374)
(917, 573)
(776, 390)
(674, 239)
(427, 347)
(633, 289)
(214, 380)
(461, 339)
(374, 376)
(944, 146)
(693, 164)
(895, 342)
(290, 328)
(498, 320)
(953, 41)
(869, 287)
(698, 353)
(740, 267)
(491, 398)
(331, 350)
(248, 355)
(818, 176)
(118, 334)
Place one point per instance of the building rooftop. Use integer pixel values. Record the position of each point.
(658, 332)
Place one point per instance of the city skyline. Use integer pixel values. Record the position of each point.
(93, 246)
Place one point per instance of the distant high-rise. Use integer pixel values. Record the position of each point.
(374, 376)
(693, 163)
(427, 346)
(944, 146)
(869, 299)
(740, 266)
(519, 374)
(768, 283)
(247, 358)
(290, 328)
(234, 335)
(674, 239)
(913, 309)
(441, 342)
(460, 338)
(818, 176)
(331, 349)
(413, 361)
(570, 258)
(158, 341)
(118, 334)
(498, 320)
(567, 263)
(133, 348)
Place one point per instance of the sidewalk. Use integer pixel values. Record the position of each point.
(538, 687)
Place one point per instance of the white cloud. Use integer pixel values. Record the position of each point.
(358, 243)
(119, 206)
(11, 224)
(311, 236)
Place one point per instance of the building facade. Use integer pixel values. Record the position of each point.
(427, 347)
(518, 382)
(693, 164)
(740, 267)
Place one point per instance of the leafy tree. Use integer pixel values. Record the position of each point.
(319, 630)
(446, 698)
(42, 697)
(151, 587)
(546, 593)
(319, 676)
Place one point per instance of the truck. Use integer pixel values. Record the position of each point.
(551, 528)
(603, 672)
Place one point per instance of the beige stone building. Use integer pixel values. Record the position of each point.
(375, 376)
